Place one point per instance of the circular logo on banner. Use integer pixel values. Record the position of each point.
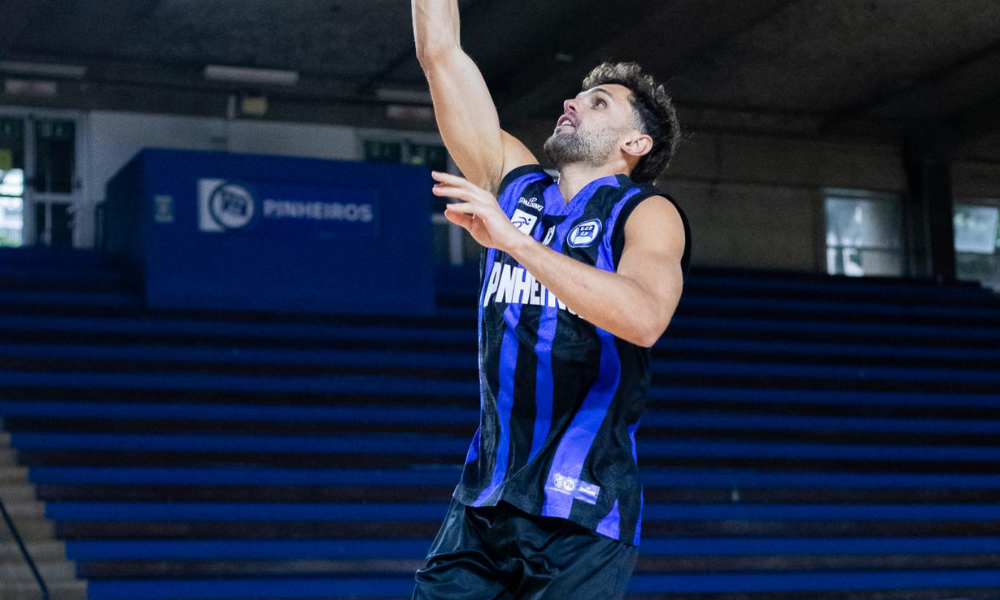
(584, 234)
(233, 206)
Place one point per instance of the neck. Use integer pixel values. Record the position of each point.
(573, 178)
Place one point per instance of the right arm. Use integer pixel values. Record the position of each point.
(463, 106)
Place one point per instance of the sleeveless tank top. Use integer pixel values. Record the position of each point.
(561, 399)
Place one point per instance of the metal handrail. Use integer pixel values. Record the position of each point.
(24, 551)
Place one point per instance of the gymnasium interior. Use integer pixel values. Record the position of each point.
(208, 396)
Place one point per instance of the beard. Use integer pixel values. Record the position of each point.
(579, 147)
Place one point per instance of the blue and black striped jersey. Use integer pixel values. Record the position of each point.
(561, 399)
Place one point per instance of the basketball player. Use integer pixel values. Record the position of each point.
(580, 276)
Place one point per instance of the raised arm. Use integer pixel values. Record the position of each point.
(463, 106)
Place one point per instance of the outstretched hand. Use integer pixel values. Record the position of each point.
(476, 211)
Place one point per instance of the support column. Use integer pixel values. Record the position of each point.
(929, 209)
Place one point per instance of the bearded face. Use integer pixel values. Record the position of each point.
(582, 146)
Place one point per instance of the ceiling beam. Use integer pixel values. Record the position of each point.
(507, 43)
(663, 37)
(980, 122)
(144, 8)
(534, 55)
(15, 16)
(502, 39)
(190, 76)
(369, 86)
(115, 25)
(946, 93)
(208, 103)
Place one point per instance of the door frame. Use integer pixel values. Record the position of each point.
(82, 209)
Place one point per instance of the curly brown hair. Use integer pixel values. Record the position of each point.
(654, 112)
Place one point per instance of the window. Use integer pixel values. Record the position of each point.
(55, 144)
(863, 233)
(433, 156)
(977, 238)
(11, 182)
(451, 243)
(383, 152)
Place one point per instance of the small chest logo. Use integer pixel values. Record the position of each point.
(531, 203)
(584, 234)
(551, 233)
(523, 221)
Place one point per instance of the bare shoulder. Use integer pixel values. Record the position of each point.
(515, 154)
(653, 252)
(656, 224)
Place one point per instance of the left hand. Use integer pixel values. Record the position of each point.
(477, 211)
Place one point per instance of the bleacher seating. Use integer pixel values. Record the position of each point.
(806, 437)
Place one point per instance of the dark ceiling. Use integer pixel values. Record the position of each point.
(882, 68)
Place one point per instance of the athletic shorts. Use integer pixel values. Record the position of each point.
(502, 553)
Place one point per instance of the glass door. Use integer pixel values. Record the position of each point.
(53, 181)
(41, 191)
(12, 166)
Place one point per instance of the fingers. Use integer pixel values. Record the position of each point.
(448, 181)
(453, 192)
(475, 200)
(462, 220)
(466, 196)
(464, 208)
(452, 179)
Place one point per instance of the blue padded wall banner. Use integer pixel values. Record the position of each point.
(206, 230)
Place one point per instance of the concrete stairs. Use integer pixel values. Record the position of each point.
(38, 534)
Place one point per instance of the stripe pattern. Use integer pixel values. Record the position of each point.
(560, 398)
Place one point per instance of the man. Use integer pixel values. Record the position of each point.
(580, 277)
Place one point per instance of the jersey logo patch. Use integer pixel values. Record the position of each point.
(584, 234)
(523, 221)
(551, 233)
(579, 489)
(531, 203)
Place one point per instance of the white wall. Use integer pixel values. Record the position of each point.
(757, 200)
(113, 138)
(976, 180)
(292, 139)
(753, 200)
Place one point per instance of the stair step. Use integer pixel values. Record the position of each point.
(57, 571)
(25, 509)
(12, 493)
(60, 590)
(796, 585)
(35, 529)
(9, 475)
(41, 551)
(51, 572)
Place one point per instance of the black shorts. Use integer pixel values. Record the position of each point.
(502, 553)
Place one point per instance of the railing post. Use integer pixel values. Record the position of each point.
(24, 550)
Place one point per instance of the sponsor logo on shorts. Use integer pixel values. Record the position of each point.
(579, 489)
